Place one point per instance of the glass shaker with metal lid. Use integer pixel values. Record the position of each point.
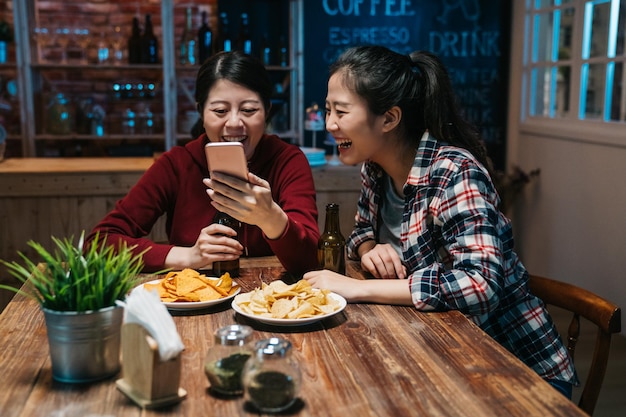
(271, 378)
(226, 358)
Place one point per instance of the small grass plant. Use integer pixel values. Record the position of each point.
(77, 278)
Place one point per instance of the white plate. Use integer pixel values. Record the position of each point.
(196, 305)
(293, 322)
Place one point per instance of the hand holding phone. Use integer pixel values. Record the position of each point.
(227, 158)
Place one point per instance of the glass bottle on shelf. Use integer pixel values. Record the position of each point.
(103, 49)
(188, 41)
(59, 120)
(232, 266)
(117, 46)
(265, 51)
(244, 41)
(331, 245)
(134, 43)
(146, 118)
(6, 36)
(149, 44)
(223, 41)
(128, 122)
(205, 39)
(283, 51)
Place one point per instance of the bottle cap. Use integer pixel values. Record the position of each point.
(273, 347)
(232, 335)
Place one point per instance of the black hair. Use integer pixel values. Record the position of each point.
(236, 67)
(419, 85)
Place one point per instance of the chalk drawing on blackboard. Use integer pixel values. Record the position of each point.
(469, 8)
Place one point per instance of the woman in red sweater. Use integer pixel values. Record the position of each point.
(276, 206)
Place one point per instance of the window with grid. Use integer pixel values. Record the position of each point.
(574, 61)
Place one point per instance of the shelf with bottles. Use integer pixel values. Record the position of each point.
(97, 103)
(247, 27)
(63, 40)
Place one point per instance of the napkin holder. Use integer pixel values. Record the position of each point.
(148, 381)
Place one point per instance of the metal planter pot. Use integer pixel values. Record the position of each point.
(84, 347)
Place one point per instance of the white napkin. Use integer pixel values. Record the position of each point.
(146, 309)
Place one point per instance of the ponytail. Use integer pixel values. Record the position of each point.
(440, 110)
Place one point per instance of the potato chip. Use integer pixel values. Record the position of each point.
(282, 301)
(189, 285)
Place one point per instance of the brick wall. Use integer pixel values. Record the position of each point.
(104, 15)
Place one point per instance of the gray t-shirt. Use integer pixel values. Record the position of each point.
(391, 216)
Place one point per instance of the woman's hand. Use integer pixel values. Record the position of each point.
(249, 202)
(337, 283)
(215, 242)
(383, 261)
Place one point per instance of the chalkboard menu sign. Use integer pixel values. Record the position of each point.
(470, 36)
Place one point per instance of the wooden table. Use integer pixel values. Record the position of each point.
(369, 360)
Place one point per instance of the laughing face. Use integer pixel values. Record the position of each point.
(357, 131)
(233, 113)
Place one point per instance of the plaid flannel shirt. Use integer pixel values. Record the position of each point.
(458, 250)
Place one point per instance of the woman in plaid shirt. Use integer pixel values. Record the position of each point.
(428, 226)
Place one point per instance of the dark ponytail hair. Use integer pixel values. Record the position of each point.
(419, 85)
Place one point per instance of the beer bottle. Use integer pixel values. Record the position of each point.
(188, 42)
(134, 43)
(244, 40)
(283, 53)
(223, 41)
(232, 267)
(149, 44)
(331, 244)
(205, 39)
(265, 51)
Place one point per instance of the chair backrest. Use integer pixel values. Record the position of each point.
(603, 313)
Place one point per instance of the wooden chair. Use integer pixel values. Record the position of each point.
(602, 313)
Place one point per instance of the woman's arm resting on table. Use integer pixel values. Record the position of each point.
(356, 290)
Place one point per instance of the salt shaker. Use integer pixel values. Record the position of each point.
(226, 358)
(271, 378)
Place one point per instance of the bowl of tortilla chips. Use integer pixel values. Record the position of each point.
(189, 289)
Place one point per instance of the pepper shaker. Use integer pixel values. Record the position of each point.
(226, 358)
(271, 378)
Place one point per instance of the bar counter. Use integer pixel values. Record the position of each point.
(369, 360)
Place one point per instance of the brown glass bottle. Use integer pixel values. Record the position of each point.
(331, 244)
(223, 41)
(149, 44)
(244, 40)
(205, 39)
(232, 267)
(187, 50)
(134, 44)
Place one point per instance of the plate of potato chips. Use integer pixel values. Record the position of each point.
(281, 304)
(189, 290)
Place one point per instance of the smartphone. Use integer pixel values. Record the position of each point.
(227, 158)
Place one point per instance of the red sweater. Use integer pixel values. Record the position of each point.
(173, 186)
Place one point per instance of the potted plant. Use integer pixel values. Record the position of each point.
(77, 288)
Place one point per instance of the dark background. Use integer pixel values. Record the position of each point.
(470, 36)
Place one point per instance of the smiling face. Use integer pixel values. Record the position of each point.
(357, 131)
(233, 113)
